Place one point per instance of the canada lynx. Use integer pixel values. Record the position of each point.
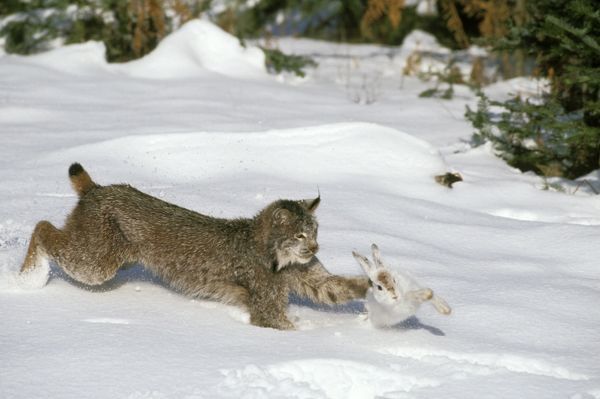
(252, 263)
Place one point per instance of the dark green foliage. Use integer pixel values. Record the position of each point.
(560, 136)
(338, 20)
(129, 29)
(564, 36)
(277, 62)
(33, 24)
(541, 137)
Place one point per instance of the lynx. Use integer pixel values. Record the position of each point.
(253, 263)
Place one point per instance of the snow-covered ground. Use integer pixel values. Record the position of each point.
(200, 124)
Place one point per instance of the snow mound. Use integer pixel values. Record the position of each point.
(420, 41)
(320, 378)
(368, 153)
(198, 46)
(526, 88)
(196, 49)
(492, 361)
(77, 59)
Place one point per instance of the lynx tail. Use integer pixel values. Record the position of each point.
(80, 180)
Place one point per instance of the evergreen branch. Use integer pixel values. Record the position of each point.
(591, 42)
(559, 23)
(580, 33)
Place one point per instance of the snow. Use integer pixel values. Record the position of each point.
(198, 123)
(197, 46)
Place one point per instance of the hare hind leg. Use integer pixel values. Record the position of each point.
(440, 305)
(420, 295)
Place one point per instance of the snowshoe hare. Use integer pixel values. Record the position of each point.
(395, 296)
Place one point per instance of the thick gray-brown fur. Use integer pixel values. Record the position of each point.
(254, 263)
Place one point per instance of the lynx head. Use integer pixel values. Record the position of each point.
(290, 231)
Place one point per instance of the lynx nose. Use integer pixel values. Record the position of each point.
(313, 247)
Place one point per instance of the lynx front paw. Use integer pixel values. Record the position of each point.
(351, 289)
(278, 324)
(360, 286)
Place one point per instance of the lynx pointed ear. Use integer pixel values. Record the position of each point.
(364, 263)
(281, 215)
(311, 204)
(377, 257)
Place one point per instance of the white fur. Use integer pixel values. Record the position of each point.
(36, 277)
(383, 310)
(386, 308)
(287, 257)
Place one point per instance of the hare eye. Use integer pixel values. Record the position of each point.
(300, 236)
(380, 288)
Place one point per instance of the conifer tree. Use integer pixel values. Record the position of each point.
(561, 135)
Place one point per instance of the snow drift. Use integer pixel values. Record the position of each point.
(196, 49)
(518, 265)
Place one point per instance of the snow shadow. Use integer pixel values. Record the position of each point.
(354, 307)
(358, 307)
(127, 274)
(413, 323)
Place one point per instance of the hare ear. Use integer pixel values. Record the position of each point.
(377, 257)
(364, 263)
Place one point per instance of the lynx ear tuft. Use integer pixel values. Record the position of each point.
(312, 204)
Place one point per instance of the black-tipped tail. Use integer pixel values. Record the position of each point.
(75, 169)
(80, 180)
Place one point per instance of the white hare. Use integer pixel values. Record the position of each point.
(394, 296)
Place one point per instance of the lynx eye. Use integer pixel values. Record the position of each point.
(380, 288)
(301, 236)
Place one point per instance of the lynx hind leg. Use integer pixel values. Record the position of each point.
(440, 305)
(420, 295)
(90, 265)
(44, 245)
(96, 273)
(44, 238)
